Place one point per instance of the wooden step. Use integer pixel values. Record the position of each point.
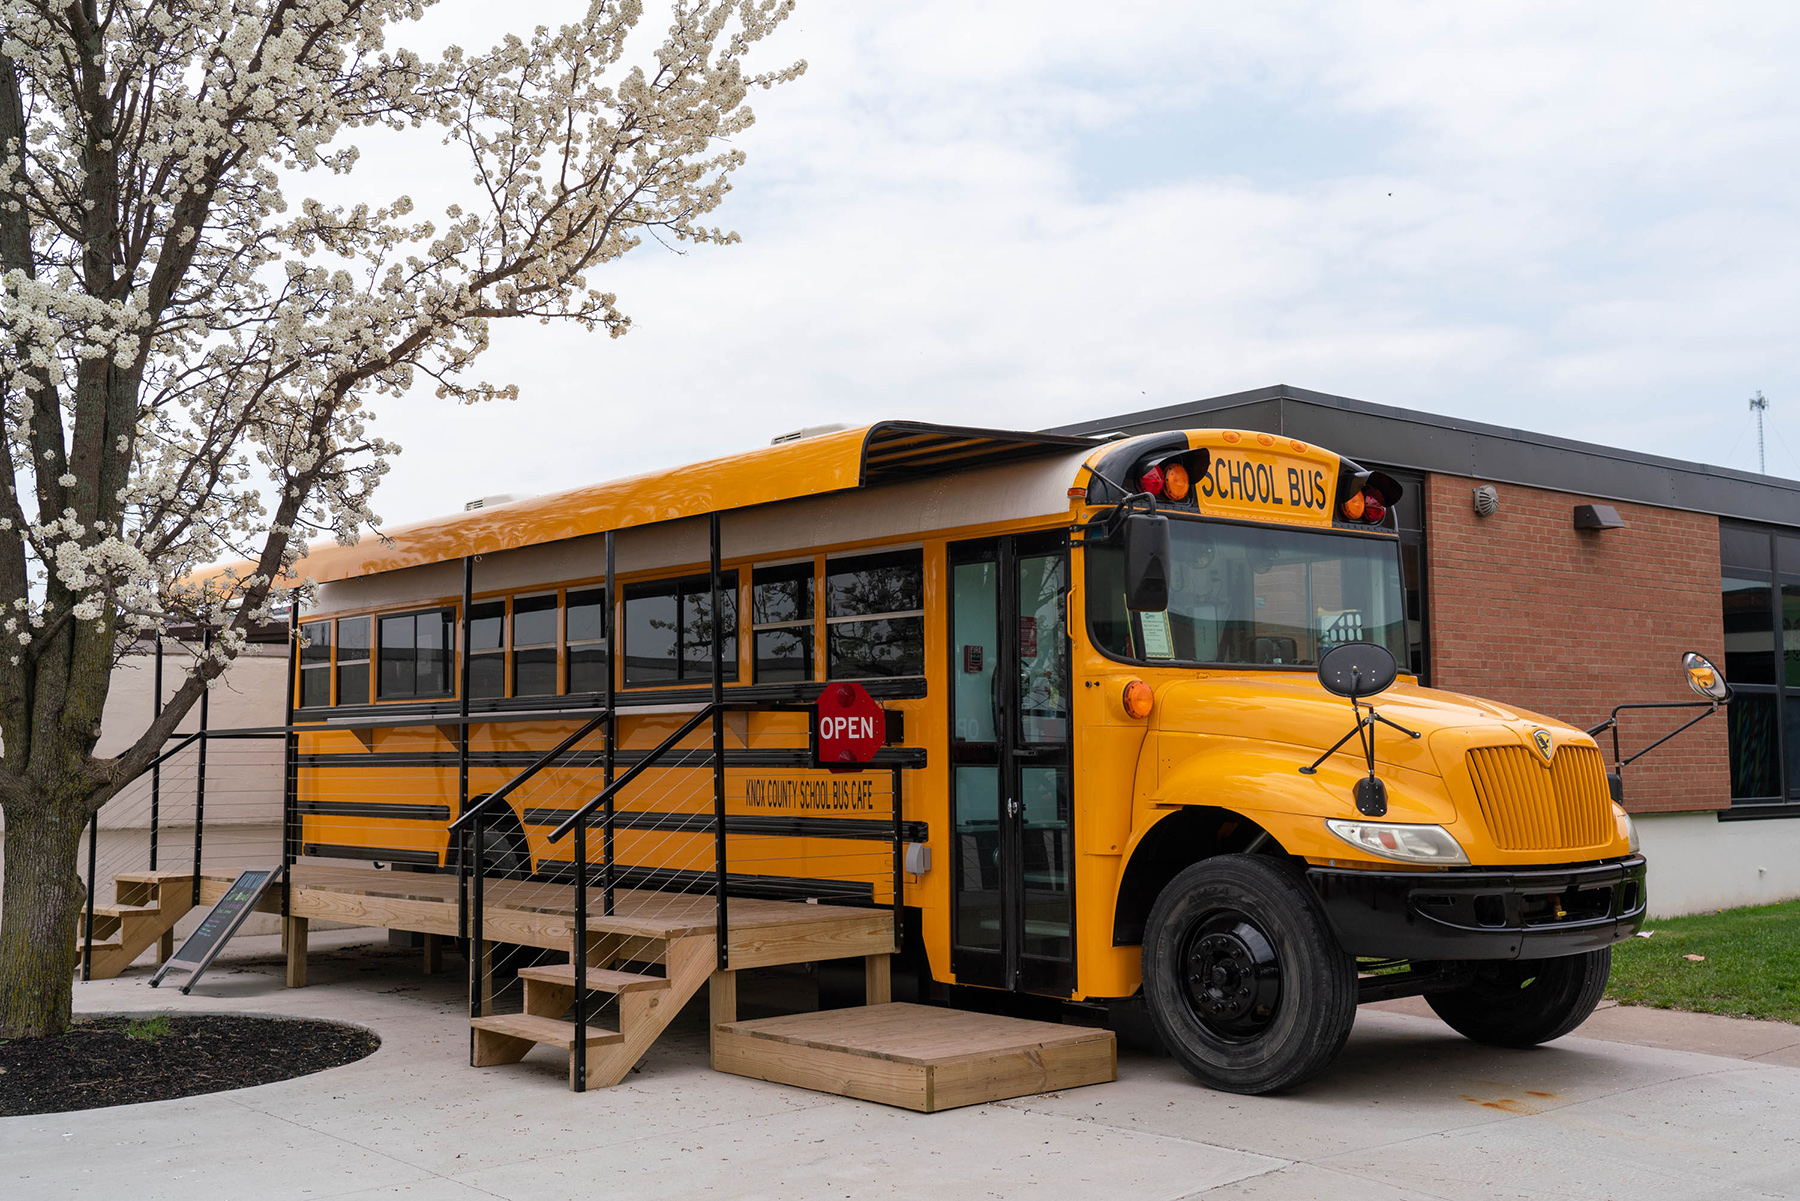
(918, 1057)
(549, 1031)
(123, 911)
(156, 877)
(598, 979)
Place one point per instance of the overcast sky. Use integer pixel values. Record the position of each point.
(1573, 218)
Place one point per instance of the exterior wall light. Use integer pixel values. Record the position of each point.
(1598, 517)
(1487, 501)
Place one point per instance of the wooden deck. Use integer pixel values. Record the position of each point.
(916, 1056)
(762, 933)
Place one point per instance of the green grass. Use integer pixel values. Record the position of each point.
(148, 1030)
(1752, 965)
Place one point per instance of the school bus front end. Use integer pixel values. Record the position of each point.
(1272, 853)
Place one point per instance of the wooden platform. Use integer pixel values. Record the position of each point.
(916, 1056)
(542, 915)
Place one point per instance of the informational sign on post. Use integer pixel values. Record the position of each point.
(217, 927)
(848, 727)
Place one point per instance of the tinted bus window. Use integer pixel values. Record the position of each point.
(353, 661)
(585, 616)
(874, 616)
(668, 631)
(487, 649)
(315, 664)
(415, 654)
(781, 616)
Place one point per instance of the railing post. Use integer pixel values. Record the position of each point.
(87, 933)
(578, 956)
(200, 773)
(718, 746)
(156, 707)
(290, 766)
(478, 927)
(462, 745)
(899, 858)
(612, 725)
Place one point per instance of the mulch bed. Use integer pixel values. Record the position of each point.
(100, 1062)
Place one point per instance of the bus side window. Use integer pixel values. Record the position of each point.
(414, 654)
(487, 649)
(315, 665)
(353, 661)
(585, 638)
(781, 617)
(668, 631)
(534, 637)
(875, 616)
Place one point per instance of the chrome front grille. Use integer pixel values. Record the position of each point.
(1529, 809)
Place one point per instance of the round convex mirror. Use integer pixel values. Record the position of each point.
(1357, 669)
(1704, 678)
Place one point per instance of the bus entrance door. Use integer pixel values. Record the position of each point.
(1010, 765)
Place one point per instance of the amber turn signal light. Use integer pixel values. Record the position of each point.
(1139, 700)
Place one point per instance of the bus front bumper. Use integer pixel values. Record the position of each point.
(1535, 913)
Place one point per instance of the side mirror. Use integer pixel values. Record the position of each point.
(1146, 562)
(1357, 669)
(1704, 678)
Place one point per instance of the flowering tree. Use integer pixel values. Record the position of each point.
(186, 361)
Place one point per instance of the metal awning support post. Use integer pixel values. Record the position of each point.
(612, 725)
(899, 856)
(156, 706)
(578, 957)
(290, 768)
(87, 933)
(200, 772)
(462, 744)
(477, 927)
(718, 744)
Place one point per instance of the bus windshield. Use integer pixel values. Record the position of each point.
(1253, 595)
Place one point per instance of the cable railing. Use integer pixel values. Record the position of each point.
(639, 794)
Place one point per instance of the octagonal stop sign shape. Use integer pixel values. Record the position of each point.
(848, 727)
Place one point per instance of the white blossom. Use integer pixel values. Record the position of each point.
(253, 333)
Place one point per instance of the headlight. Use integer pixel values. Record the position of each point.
(1631, 833)
(1410, 844)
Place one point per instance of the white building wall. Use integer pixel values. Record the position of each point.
(1699, 863)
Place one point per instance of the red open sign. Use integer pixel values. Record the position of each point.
(848, 727)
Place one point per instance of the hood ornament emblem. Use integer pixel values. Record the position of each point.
(1541, 740)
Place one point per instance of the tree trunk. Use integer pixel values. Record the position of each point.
(39, 910)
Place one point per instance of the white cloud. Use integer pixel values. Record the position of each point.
(1578, 219)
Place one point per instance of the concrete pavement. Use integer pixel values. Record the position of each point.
(1409, 1111)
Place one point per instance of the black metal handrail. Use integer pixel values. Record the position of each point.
(636, 770)
(545, 760)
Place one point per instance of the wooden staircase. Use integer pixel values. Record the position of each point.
(147, 907)
(642, 1006)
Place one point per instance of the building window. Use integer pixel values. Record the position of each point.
(353, 661)
(668, 631)
(781, 615)
(415, 654)
(534, 638)
(315, 664)
(1760, 596)
(875, 616)
(585, 640)
(487, 649)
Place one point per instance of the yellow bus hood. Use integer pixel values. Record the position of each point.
(1292, 709)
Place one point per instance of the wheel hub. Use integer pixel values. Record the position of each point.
(1232, 975)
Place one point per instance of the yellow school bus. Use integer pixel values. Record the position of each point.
(1105, 661)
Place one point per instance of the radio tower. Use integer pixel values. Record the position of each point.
(1759, 406)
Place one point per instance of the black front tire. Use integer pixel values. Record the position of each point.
(1245, 983)
(1524, 1002)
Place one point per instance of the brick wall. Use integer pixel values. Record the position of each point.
(1528, 610)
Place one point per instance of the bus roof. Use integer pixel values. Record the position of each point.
(885, 452)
